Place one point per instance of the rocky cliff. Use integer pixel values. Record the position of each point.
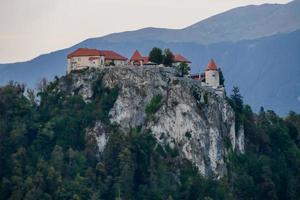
(178, 111)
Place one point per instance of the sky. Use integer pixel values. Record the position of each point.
(29, 28)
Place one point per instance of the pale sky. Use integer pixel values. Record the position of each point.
(29, 28)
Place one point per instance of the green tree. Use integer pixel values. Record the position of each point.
(156, 55)
(45, 152)
(154, 105)
(183, 68)
(222, 80)
(57, 158)
(236, 102)
(168, 58)
(126, 178)
(237, 99)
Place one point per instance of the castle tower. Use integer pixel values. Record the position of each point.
(212, 76)
(136, 58)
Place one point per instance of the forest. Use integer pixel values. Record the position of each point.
(45, 153)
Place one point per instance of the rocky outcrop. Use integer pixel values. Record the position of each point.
(189, 117)
(100, 134)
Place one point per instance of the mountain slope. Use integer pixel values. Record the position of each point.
(241, 23)
(266, 70)
(247, 22)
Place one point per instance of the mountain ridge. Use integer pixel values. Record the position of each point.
(153, 31)
(200, 32)
(256, 56)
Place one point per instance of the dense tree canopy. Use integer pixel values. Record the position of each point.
(45, 153)
(159, 56)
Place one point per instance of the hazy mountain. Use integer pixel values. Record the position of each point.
(266, 69)
(246, 23)
(241, 23)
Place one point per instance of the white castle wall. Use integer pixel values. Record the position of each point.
(84, 61)
(212, 78)
(81, 62)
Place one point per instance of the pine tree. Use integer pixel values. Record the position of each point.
(237, 99)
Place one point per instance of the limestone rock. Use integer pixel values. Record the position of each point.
(191, 118)
(100, 133)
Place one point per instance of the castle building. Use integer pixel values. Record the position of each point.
(138, 60)
(178, 59)
(210, 78)
(85, 58)
(198, 77)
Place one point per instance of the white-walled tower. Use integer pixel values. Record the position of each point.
(212, 76)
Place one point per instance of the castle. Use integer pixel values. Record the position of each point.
(92, 58)
(211, 78)
(138, 60)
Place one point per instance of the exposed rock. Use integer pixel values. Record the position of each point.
(100, 133)
(191, 118)
(241, 140)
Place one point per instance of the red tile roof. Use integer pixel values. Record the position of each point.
(109, 55)
(136, 56)
(146, 59)
(180, 58)
(212, 65)
(84, 52)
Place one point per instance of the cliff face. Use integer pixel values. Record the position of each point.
(184, 115)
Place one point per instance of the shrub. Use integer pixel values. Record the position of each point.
(104, 99)
(154, 105)
(175, 82)
(188, 134)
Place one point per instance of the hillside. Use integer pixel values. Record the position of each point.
(142, 133)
